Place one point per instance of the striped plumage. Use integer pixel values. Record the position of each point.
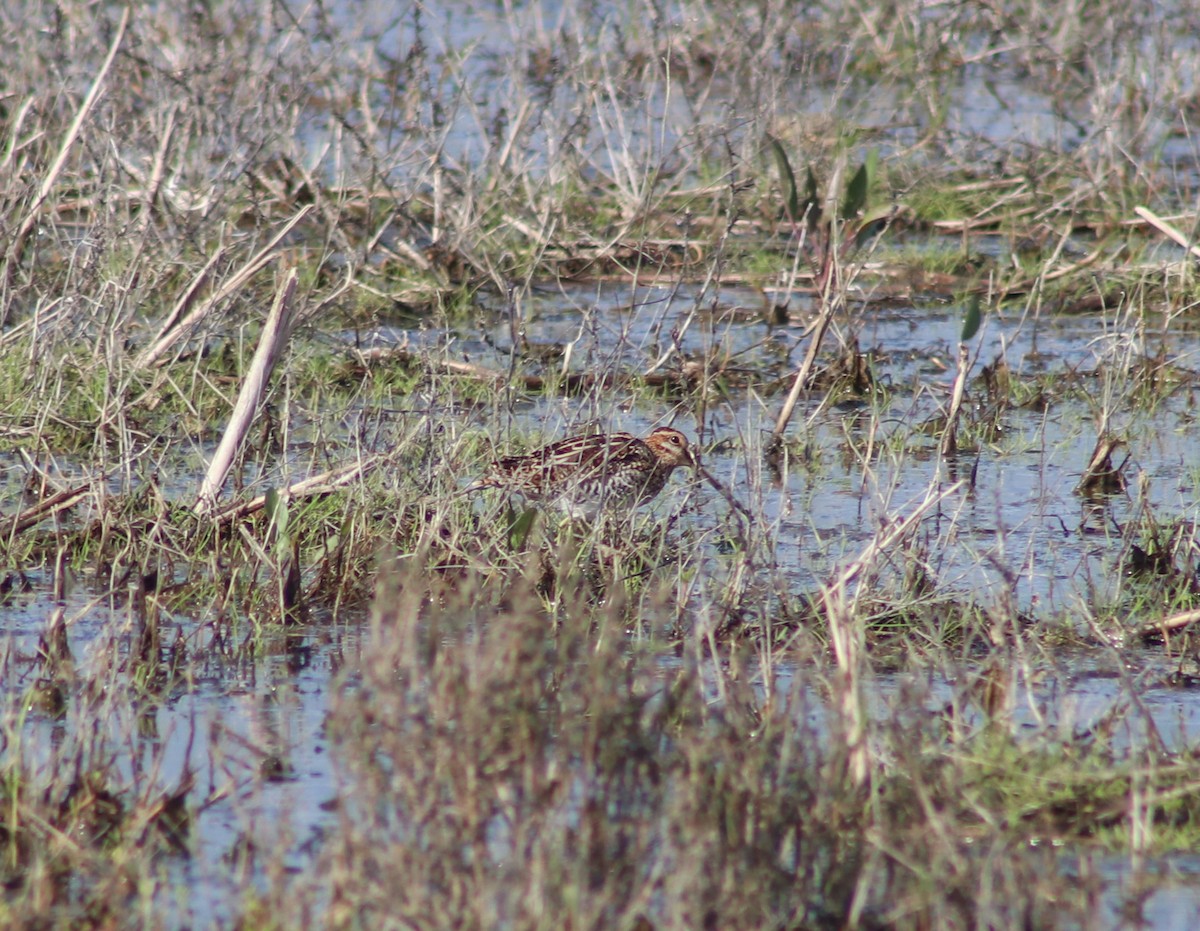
(598, 472)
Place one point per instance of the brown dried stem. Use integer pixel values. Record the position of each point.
(274, 336)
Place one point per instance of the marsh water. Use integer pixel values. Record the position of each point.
(1023, 532)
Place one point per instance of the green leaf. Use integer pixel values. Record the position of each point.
(276, 506)
(812, 199)
(519, 528)
(791, 197)
(276, 509)
(873, 222)
(856, 193)
(972, 320)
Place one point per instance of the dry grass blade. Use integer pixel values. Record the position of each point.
(16, 247)
(847, 637)
(171, 332)
(892, 533)
(167, 333)
(817, 331)
(847, 634)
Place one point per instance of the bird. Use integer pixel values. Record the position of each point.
(594, 474)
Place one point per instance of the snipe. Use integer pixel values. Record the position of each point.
(593, 474)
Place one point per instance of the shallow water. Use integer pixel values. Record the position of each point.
(250, 723)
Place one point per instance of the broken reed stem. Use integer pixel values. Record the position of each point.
(1168, 230)
(274, 336)
(305, 488)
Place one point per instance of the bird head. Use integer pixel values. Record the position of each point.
(671, 447)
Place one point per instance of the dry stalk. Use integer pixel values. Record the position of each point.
(186, 299)
(171, 333)
(818, 331)
(831, 285)
(309, 487)
(950, 436)
(847, 637)
(274, 337)
(1168, 230)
